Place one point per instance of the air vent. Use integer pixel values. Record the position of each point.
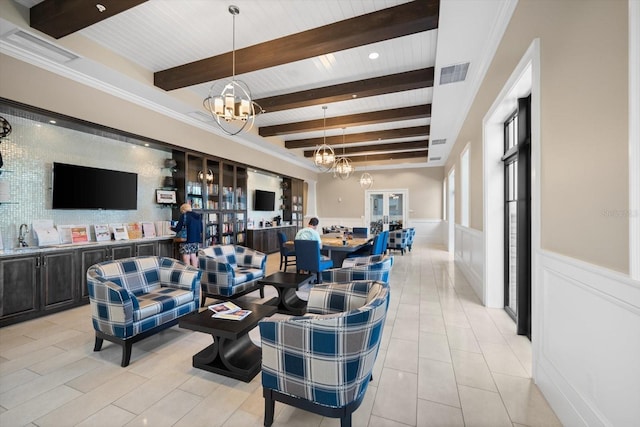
(453, 73)
(39, 46)
(438, 141)
(435, 158)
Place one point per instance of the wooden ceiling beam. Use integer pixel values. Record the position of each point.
(409, 80)
(379, 135)
(398, 21)
(395, 114)
(59, 18)
(373, 148)
(391, 156)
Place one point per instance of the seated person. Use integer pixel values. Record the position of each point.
(310, 232)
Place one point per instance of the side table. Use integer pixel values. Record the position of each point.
(287, 284)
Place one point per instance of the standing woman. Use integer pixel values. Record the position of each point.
(193, 223)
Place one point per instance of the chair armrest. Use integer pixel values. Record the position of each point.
(215, 272)
(176, 274)
(251, 258)
(111, 306)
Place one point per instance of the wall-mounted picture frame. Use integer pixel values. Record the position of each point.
(165, 196)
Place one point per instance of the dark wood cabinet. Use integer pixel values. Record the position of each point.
(293, 201)
(57, 275)
(42, 282)
(266, 239)
(19, 291)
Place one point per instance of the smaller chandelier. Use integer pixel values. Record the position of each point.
(366, 180)
(233, 106)
(324, 156)
(209, 176)
(343, 164)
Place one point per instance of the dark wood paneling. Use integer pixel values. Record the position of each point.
(360, 137)
(385, 24)
(406, 113)
(416, 79)
(59, 18)
(373, 148)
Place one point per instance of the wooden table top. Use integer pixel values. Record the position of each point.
(337, 241)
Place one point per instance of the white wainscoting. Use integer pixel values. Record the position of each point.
(427, 230)
(586, 342)
(469, 256)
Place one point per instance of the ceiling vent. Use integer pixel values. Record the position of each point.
(39, 46)
(453, 73)
(438, 141)
(435, 158)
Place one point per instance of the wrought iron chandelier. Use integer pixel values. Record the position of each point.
(324, 156)
(233, 109)
(343, 165)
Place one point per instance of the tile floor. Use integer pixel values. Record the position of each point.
(445, 360)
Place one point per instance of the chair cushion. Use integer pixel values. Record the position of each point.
(246, 274)
(336, 299)
(161, 300)
(137, 275)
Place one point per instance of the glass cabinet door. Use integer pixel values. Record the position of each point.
(227, 226)
(228, 187)
(210, 229)
(241, 188)
(211, 177)
(241, 226)
(194, 181)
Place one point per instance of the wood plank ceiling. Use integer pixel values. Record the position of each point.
(396, 142)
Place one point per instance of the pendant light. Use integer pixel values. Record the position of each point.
(343, 165)
(324, 156)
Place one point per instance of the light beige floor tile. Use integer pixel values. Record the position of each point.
(16, 379)
(437, 382)
(402, 355)
(501, 359)
(410, 311)
(432, 323)
(89, 403)
(434, 346)
(10, 341)
(150, 392)
(471, 370)
(524, 402)
(169, 410)
(462, 339)
(109, 416)
(405, 329)
(27, 360)
(483, 408)
(32, 409)
(201, 383)
(487, 333)
(436, 415)
(294, 417)
(521, 347)
(215, 409)
(38, 344)
(397, 396)
(96, 377)
(60, 361)
(376, 421)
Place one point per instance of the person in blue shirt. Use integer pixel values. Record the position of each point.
(193, 223)
(310, 232)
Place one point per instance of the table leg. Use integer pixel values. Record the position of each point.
(239, 359)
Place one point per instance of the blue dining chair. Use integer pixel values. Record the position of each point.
(308, 258)
(286, 252)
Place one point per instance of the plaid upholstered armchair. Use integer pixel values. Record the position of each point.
(134, 298)
(398, 240)
(229, 271)
(373, 267)
(322, 361)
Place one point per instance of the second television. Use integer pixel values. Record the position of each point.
(264, 200)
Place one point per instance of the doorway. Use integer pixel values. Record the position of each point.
(386, 210)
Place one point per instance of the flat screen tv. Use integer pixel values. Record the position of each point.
(264, 200)
(81, 187)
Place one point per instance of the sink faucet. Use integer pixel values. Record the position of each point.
(22, 233)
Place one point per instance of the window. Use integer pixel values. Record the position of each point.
(464, 187)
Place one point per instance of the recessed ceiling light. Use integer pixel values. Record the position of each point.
(146, 144)
(100, 7)
(374, 55)
(53, 122)
(354, 96)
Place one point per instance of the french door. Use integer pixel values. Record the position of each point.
(517, 214)
(385, 210)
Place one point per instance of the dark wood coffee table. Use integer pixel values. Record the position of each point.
(286, 284)
(232, 353)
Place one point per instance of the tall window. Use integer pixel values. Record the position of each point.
(517, 214)
(464, 187)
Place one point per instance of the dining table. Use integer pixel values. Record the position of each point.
(334, 248)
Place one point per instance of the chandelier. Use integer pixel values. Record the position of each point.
(366, 180)
(343, 164)
(233, 109)
(324, 157)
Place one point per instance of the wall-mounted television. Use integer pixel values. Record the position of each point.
(264, 201)
(82, 187)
